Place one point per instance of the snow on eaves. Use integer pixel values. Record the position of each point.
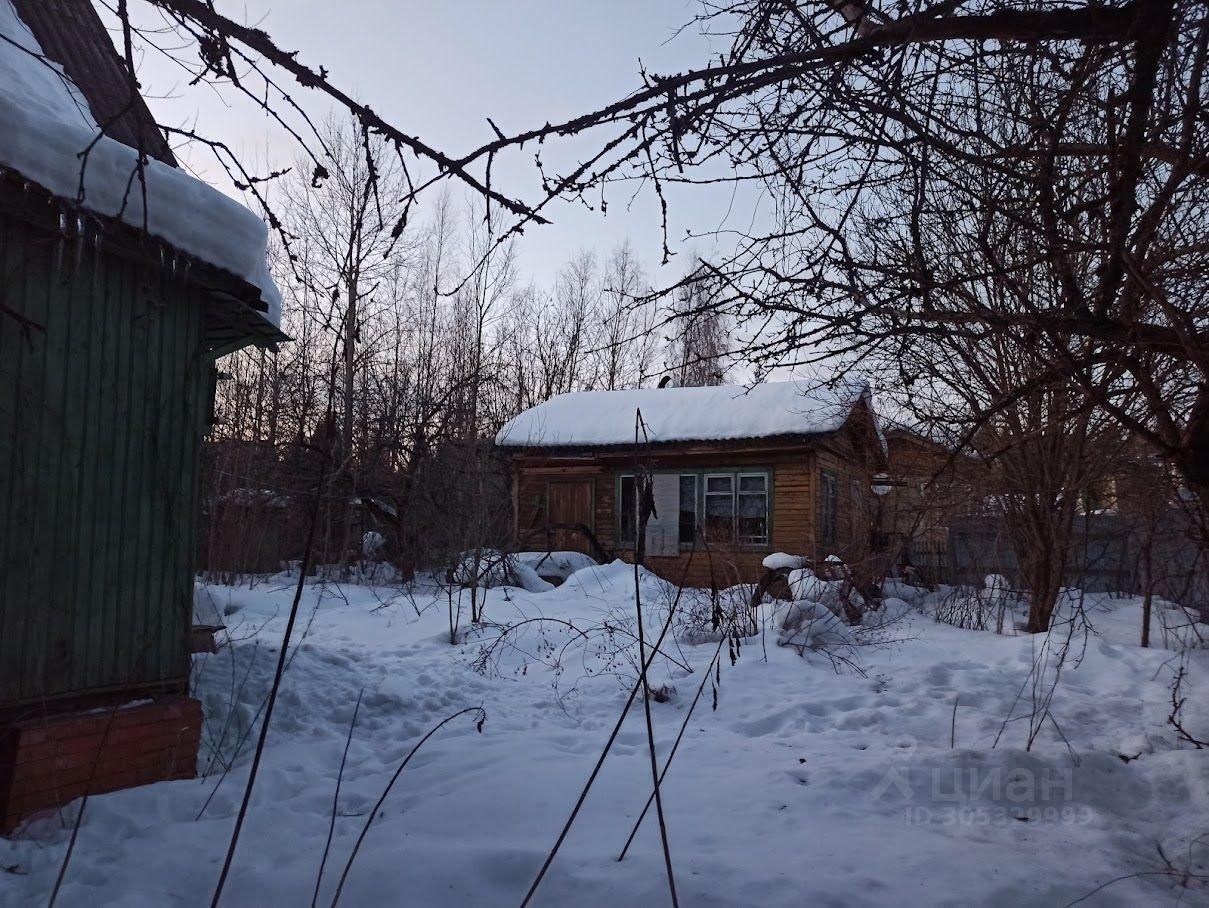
(45, 124)
(601, 418)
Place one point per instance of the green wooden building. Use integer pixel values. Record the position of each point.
(108, 339)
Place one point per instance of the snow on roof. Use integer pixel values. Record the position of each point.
(45, 124)
(598, 418)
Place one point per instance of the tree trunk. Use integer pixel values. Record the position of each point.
(346, 434)
(1147, 594)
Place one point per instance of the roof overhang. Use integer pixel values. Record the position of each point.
(234, 316)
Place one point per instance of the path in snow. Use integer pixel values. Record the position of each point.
(806, 785)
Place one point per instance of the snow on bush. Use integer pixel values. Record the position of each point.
(524, 576)
(617, 578)
(372, 543)
(779, 561)
(895, 588)
(994, 607)
(805, 585)
(808, 625)
(491, 568)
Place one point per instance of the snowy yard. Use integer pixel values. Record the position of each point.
(812, 782)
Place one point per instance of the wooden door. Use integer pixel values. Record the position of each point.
(569, 504)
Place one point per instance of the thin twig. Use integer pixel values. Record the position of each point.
(583, 794)
(382, 798)
(304, 567)
(331, 827)
(645, 508)
(953, 723)
(675, 746)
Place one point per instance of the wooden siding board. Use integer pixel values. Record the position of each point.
(194, 418)
(19, 351)
(73, 537)
(115, 473)
(126, 647)
(38, 276)
(154, 660)
(11, 342)
(101, 418)
(175, 479)
(88, 589)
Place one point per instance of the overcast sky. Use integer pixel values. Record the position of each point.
(438, 68)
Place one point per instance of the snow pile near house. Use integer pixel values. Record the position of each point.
(45, 124)
(559, 565)
(615, 580)
(597, 418)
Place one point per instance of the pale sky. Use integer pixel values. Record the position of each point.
(437, 69)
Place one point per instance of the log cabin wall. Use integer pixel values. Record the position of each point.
(792, 511)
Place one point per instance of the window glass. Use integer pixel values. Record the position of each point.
(720, 508)
(688, 508)
(753, 508)
(627, 513)
(753, 482)
(828, 505)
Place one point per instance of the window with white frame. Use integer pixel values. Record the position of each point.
(727, 507)
(752, 508)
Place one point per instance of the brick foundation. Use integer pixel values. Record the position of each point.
(49, 761)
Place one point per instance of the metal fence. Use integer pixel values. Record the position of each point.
(1107, 557)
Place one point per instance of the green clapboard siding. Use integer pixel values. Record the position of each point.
(101, 417)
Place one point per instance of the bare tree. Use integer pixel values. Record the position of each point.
(699, 343)
(625, 341)
(1078, 133)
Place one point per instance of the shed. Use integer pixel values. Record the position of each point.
(737, 474)
(114, 305)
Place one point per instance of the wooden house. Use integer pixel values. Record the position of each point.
(120, 283)
(737, 475)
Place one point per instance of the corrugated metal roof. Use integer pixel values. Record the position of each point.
(72, 34)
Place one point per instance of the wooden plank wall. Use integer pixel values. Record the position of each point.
(102, 410)
(794, 511)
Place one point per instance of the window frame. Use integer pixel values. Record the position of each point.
(766, 493)
(707, 494)
(701, 475)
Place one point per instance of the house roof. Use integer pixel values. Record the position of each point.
(48, 120)
(722, 413)
(71, 33)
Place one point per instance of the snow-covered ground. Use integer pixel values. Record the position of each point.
(900, 779)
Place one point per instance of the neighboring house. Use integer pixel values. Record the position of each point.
(737, 474)
(930, 487)
(114, 305)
